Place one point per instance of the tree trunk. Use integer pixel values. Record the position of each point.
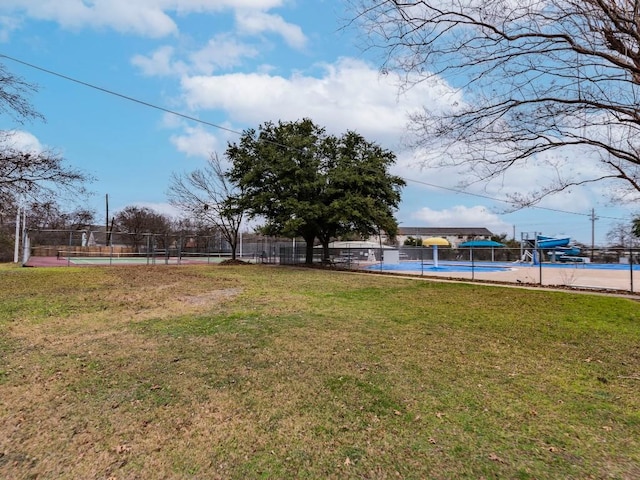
(325, 251)
(309, 250)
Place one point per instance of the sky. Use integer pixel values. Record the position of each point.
(233, 65)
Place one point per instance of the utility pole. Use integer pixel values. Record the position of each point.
(593, 231)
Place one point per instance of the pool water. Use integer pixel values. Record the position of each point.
(447, 266)
(442, 267)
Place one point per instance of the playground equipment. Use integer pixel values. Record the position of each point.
(435, 242)
(555, 249)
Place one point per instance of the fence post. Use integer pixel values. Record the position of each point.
(473, 265)
(539, 252)
(631, 267)
(69, 252)
(148, 248)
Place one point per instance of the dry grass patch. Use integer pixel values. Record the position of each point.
(260, 372)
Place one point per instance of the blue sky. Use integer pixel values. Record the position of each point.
(236, 64)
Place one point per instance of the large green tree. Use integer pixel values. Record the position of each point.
(307, 183)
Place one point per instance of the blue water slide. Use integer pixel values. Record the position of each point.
(558, 248)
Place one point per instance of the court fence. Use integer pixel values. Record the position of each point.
(85, 247)
(596, 269)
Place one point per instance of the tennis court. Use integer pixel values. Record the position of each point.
(121, 259)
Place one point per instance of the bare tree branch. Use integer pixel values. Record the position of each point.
(208, 195)
(13, 93)
(34, 175)
(540, 78)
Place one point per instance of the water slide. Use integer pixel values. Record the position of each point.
(559, 248)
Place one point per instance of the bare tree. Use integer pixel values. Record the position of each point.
(208, 195)
(35, 175)
(622, 235)
(13, 93)
(138, 222)
(548, 83)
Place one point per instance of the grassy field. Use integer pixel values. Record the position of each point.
(264, 372)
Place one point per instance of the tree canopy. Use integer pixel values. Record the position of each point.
(547, 83)
(139, 222)
(307, 183)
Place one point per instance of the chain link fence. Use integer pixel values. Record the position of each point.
(87, 247)
(599, 269)
(606, 269)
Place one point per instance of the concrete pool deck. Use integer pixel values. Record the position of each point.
(578, 277)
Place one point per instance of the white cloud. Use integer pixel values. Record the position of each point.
(196, 142)
(150, 18)
(461, 216)
(348, 95)
(127, 16)
(7, 25)
(258, 22)
(546, 168)
(22, 141)
(221, 52)
(160, 63)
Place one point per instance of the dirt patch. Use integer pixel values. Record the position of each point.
(211, 298)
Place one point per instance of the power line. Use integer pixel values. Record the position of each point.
(121, 95)
(236, 132)
(508, 202)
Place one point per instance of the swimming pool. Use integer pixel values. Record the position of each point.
(462, 266)
(443, 266)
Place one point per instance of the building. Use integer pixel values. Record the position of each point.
(455, 235)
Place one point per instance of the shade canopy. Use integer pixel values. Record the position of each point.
(439, 241)
(481, 243)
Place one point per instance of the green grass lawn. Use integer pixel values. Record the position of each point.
(263, 372)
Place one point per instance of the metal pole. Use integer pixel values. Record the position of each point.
(540, 263)
(16, 252)
(631, 267)
(593, 229)
(148, 248)
(69, 252)
(24, 232)
(473, 270)
(380, 240)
